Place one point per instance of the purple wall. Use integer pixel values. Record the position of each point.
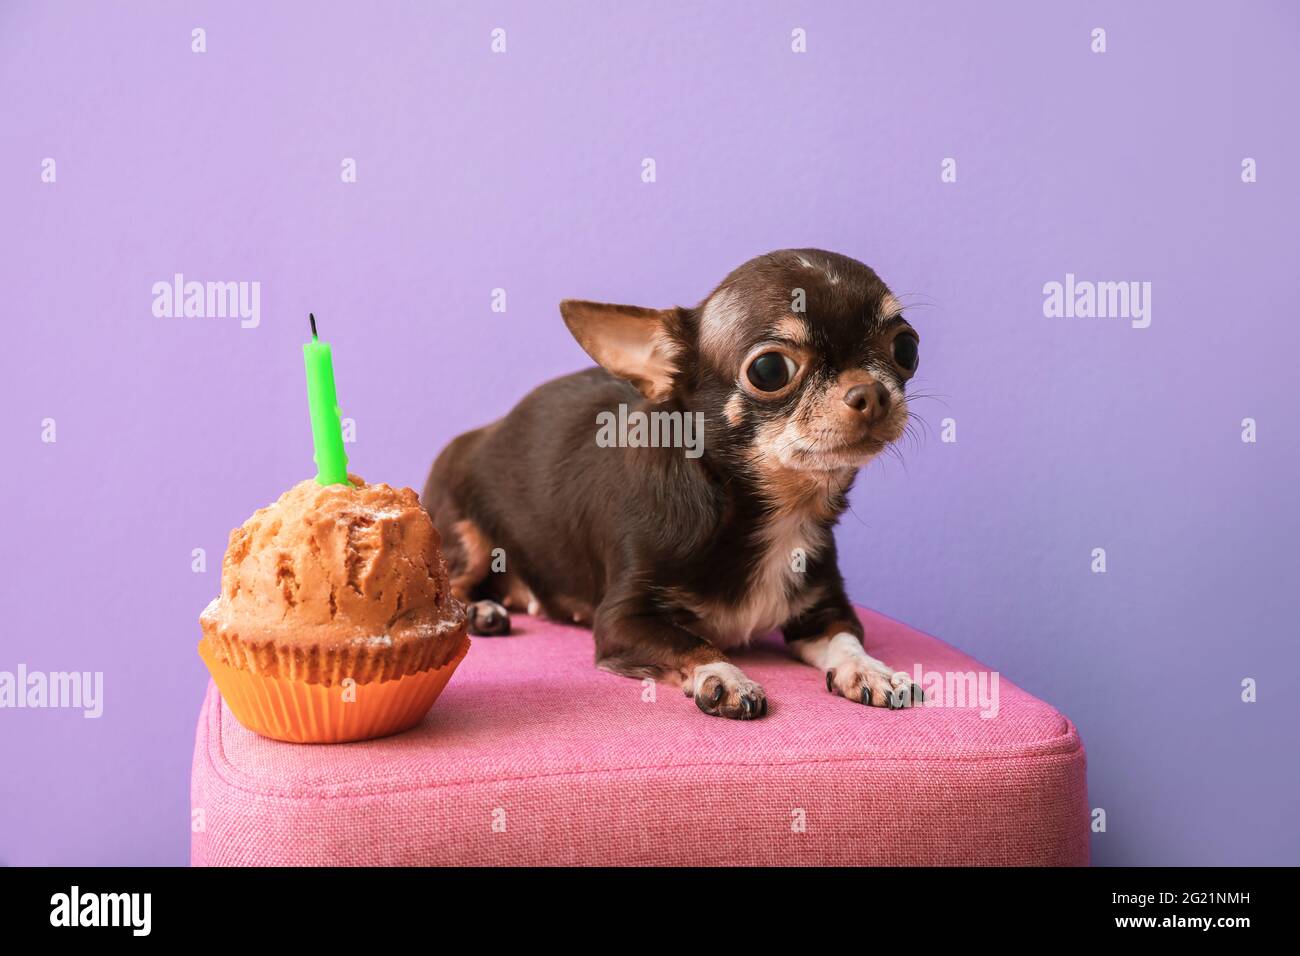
(478, 170)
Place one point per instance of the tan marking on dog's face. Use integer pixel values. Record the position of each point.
(734, 410)
(889, 307)
(793, 329)
(721, 326)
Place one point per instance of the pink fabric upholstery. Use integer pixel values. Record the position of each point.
(581, 769)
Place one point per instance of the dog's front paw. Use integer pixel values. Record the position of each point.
(868, 681)
(487, 619)
(722, 690)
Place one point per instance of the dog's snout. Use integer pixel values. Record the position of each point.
(870, 398)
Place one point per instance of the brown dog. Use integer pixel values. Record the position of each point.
(680, 498)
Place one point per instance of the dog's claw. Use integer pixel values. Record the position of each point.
(752, 707)
(830, 681)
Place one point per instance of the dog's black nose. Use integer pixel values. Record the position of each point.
(871, 399)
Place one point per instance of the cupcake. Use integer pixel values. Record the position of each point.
(335, 621)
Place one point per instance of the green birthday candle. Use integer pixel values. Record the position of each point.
(326, 429)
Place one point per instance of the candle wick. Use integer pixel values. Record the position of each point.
(312, 317)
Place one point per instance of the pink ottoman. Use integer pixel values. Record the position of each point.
(532, 756)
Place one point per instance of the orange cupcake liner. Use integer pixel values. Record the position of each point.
(302, 713)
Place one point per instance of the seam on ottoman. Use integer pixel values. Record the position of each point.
(312, 797)
(229, 774)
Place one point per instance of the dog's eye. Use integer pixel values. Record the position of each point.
(771, 371)
(906, 352)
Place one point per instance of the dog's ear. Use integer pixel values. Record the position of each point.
(644, 346)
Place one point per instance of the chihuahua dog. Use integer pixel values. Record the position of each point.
(796, 367)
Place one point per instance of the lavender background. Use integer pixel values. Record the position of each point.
(523, 171)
